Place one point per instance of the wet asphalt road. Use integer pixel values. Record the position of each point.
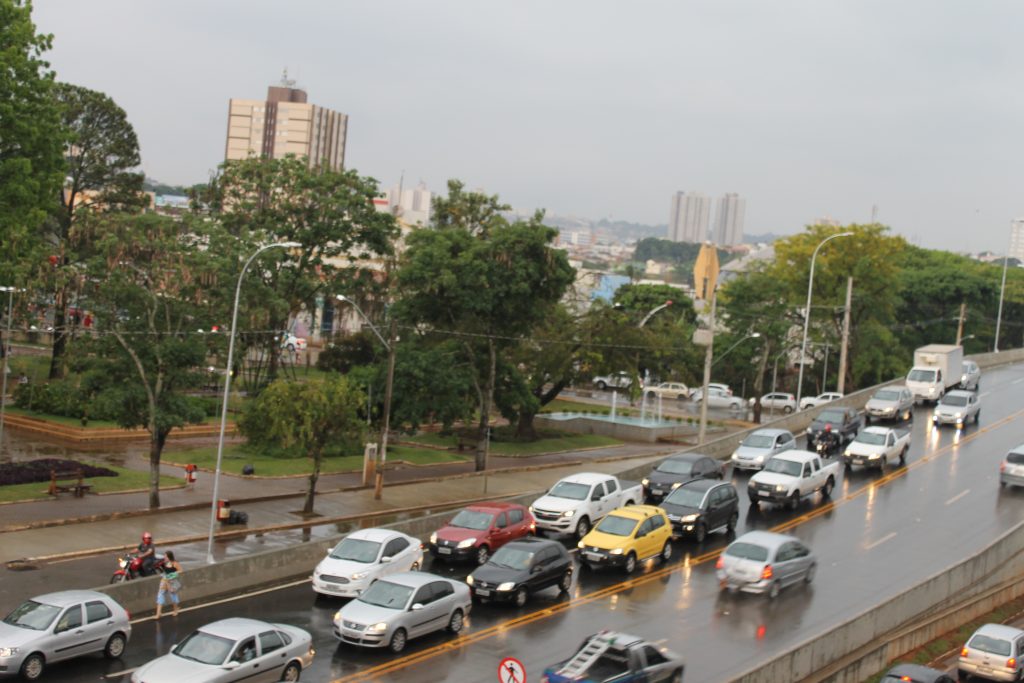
(883, 533)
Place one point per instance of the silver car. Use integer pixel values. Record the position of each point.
(364, 556)
(759, 447)
(233, 649)
(1011, 469)
(403, 606)
(718, 398)
(765, 562)
(890, 403)
(995, 652)
(971, 377)
(59, 626)
(957, 408)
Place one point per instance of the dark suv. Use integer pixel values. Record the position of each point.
(701, 506)
(845, 422)
(521, 568)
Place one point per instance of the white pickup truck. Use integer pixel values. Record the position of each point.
(790, 476)
(575, 503)
(877, 447)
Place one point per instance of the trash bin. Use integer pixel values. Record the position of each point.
(223, 510)
(190, 473)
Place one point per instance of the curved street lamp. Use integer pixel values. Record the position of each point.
(752, 335)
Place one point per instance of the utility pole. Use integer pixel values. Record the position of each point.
(846, 337)
(960, 324)
(708, 358)
(378, 485)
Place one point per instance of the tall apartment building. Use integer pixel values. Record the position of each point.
(689, 215)
(285, 123)
(1017, 239)
(413, 203)
(729, 220)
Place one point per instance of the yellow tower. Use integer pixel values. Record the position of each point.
(705, 271)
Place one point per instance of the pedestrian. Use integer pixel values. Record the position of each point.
(170, 585)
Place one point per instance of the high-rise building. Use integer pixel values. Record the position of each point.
(412, 203)
(1017, 239)
(729, 220)
(689, 215)
(285, 123)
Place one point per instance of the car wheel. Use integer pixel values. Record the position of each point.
(32, 667)
(666, 552)
(754, 502)
(903, 456)
(521, 597)
(415, 567)
(292, 672)
(700, 533)
(962, 676)
(826, 491)
(483, 553)
(677, 676)
(809, 576)
(787, 409)
(977, 416)
(794, 500)
(398, 639)
(456, 622)
(773, 590)
(291, 348)
(630, 563)
(565, 583)
(734, 406)
(730, 526)
(115, 646)
(602, 386)
(582, 527)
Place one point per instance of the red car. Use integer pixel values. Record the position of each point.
(478, 530)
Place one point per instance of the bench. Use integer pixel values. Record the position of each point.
(68, 482)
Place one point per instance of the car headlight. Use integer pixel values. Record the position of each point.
(645, 482)
(379, 627)
(433, 538)
(581, 544)
(734, 457)
(780, 487)
(337, 617)
(507, 586)
(359, 575)
(530, 509)
(8, 651)
(847, 452)
(568, 513)
(689, 518)
(469, 579)
(467, 543)
(759, 458)
(616, 551)
(958, 415)
(809, 430)
(676, 485)
(875, 456)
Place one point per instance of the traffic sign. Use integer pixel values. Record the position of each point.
(511, 671)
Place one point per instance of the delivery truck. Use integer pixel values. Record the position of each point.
(937, 367)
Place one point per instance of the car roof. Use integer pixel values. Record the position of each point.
(637, 511)
(768, 539)
(703, 484)
(687, 457)
(532, 544)
(876, 430)
(494, 505)
(374, 534)
(73, 597)
(891, 387)
(617, 639)
(999, 631)
(413, 579)
(796, 455)
(915, 671)
(772, 431)
(235, 627)
(586, 478)
(958, 392)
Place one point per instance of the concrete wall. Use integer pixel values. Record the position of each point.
(618, 430)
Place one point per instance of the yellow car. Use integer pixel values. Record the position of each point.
(627, 536)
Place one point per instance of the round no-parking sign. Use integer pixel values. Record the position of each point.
(511, 671)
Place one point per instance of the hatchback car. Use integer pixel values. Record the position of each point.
(890, 403)
(364, 556)
(676, 470)
(717, 398)
(520, 569)
(668, 390)
(478, 530)
(957, 408)
(233, 649)
(58, 626)
(403, 606)
(971, 377)
(700, 507)
(777, 401)
(819, 400)
(627, 536)
(759, 446)
(1011, 469)
(765, 562)
(995, 652)
(915, 673)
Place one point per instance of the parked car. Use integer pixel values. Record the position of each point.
(674, 390)
(845, 422)
(478, 530)
(57, 626)
(890, 403)
(520, 569)
(233, 649)
(819, 400)
(403, 606)
(619, 657)
(995, 652)
(700, 507)
(364, 556)
(627, 536)
(576, 502)
(676, 470)
(289, 342)
(957, 408)
(616, 380)
(717, 398)
(777, 400)
(971, 378)
(765, 562)
(724, 388)
(1011, 469)
(759, 447)
(791, 476)
(915, 673)
(877, 447)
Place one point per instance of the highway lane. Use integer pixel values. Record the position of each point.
(883, 534)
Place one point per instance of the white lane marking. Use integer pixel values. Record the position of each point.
(883, 539)
(958, 496)
(1017, 381)
(119, 674)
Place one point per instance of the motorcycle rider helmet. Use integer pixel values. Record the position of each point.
(828, 428)
(146, 537)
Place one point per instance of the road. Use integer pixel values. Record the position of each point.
(881, 534)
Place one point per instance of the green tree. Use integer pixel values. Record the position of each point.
(306, 418)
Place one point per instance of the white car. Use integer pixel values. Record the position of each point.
(364, 556)
(616, 380)
(289, 342)
(777, 400)
(819, 400)
(717, 398)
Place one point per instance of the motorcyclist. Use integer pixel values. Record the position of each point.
(147, 553)
(828, 440)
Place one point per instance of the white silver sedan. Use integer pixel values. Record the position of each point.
(364, 556)
(233, 649)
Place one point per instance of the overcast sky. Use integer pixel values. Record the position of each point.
(603, 109)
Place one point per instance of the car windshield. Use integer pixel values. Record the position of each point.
(747, 551)
(472, 519)
(672, 466)
(759, 441)
(33, 615)
(887, 395)
(871, 438)
(617, 526)
(386, 594)
(512, 558)
(919, 375)
(831, 416)
(1015, 458)
(356, 550)
(685, 497)
(570, 490)
(781, 466)
(995, 646)
(950, 400)
(205, 648)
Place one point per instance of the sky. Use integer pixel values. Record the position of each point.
(602, 109)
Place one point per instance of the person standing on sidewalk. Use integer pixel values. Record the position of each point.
(170, 584)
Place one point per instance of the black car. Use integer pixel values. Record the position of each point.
(701, 506)
(678, 469)
(844, 422)
(915, 674)
(520, 568)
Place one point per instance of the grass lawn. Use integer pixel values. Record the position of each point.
(36, 368)
(75, 422)
(127, 480)
(548, 443)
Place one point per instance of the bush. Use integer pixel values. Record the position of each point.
(33, 471)
(64, 397)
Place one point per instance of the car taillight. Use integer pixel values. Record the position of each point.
(720, 563)
(766, 573)
(1002, 467)
(963, 652)
(1011, 663)
(906, 678)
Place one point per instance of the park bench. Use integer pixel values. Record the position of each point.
(68, 482)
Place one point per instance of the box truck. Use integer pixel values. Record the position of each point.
(937, 367)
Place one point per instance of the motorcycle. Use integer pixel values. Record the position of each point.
(130, 567)
(828, 444)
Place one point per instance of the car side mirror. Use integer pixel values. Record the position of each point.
(536, 569)
(385, 560)
(232, 665)
(417, 607)
(595, 497)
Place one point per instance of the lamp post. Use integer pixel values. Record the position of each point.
(227, 389)
(807, 312)
(7, 352)
(378, 483)
(752, 335)
(1002, 292)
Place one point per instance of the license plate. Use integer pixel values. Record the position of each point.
(657, 492)
(483, 592)
(444, 551)
(984, 670)
(860, 461)
(593, 556)
(764, 494)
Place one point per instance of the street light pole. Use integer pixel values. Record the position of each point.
(807, 311)
(753, 335)
(7, 352)
(227, 388)
(1002, 291)
(708, 361)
